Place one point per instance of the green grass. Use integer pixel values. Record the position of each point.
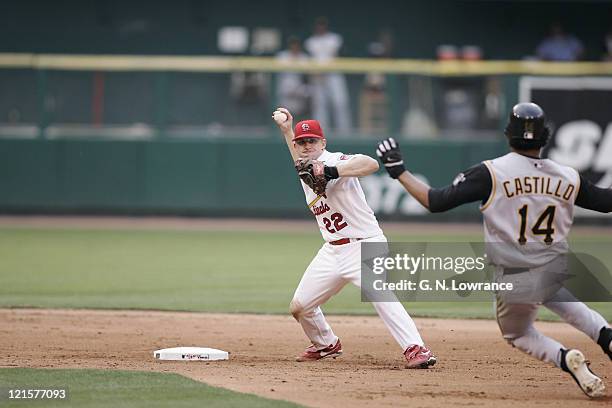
(239, 271)
(110, 388)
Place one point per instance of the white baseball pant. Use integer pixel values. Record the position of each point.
(331, 269)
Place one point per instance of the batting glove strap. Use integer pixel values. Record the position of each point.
(395, 169)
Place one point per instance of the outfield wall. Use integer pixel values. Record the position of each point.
(238, 177)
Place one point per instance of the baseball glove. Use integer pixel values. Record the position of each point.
(312, 173)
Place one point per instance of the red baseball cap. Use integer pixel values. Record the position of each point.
(308, 128)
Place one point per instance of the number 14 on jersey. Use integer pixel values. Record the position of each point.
(546, 218)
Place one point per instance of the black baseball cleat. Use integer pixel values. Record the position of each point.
(605, 340)
(573, 362)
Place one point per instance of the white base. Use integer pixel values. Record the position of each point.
(191, 354)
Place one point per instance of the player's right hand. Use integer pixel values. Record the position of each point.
(390, 155)
(287, 125)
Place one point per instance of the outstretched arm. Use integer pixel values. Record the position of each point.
(594, 198)
(389, 153)
(286, 128)
(359, 166)
(474, 184)
(415, 188)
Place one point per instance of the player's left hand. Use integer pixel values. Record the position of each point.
(390, 155)
(312, 173)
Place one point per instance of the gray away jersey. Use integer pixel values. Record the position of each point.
(530, 210)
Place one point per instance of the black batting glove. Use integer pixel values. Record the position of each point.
(390, 155)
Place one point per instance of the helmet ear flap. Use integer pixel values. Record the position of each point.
(546, 132)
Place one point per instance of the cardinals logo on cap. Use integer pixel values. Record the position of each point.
(308, 128)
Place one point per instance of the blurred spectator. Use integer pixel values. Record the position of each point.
(249, 88)
(373, 102)
(447, 52)
(381, 48)
(324, 46)
(471, 53)
(292, 90)
(608, 46)
(560, 46)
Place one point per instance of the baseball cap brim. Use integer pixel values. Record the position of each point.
(308, 135)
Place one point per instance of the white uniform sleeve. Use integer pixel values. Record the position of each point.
(337, 159)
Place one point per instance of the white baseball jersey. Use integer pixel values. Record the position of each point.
(530, 210)
(323, 47)
(343, 211)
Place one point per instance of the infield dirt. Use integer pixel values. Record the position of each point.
(475, 365)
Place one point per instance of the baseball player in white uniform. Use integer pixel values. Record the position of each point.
(528, 209)
(345, 220)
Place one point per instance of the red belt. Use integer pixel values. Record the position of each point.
(343, 241)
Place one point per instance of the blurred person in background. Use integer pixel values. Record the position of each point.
(373, 101)
(560, 46)
(292, 90)
(328, 88)
(382, 47)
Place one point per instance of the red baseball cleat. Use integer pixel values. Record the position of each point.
(419, 357)
(312, 354)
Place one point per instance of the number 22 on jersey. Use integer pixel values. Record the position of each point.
(543, 225)
(337, 220)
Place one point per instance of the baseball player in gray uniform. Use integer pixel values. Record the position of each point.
(527, 202)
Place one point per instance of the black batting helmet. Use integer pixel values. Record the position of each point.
(527, 128)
